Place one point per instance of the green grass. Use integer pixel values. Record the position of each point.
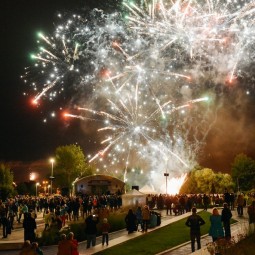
(159, 240)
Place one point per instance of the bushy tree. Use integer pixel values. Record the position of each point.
(6, 181)
(243, 172)
(206, 181)
(70, 164)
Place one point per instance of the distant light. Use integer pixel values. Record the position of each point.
(32, 176)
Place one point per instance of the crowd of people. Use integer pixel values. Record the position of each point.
(58, 210)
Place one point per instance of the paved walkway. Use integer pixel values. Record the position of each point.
(241, 227)
(122, 236)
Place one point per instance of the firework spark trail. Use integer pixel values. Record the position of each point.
(197, 27)
(144, 71)
(128, 126)
(44, 91)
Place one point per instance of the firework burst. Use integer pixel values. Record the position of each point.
(148, 77)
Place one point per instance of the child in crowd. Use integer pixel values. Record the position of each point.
(105, 231)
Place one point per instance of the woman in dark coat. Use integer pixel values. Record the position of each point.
(130, 220)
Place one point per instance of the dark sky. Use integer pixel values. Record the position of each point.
(25, 138)
(23, 134)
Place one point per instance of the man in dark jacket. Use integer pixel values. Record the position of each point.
(194, 221)
(29, 226)
(91, 229)
(226, 215)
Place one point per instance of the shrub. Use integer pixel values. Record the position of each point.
(49, 237)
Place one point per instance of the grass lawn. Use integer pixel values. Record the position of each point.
(159, 240)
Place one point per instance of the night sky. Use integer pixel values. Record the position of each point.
(28, 143)
(24, 136)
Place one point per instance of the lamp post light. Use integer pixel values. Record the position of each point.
(166, 175)
(52, 160)
(36, 185)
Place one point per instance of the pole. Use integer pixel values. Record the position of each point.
(166, 175)
(52, 162)
(51, 177)
(166, 185)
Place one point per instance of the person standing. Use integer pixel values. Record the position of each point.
(29, 226)
(216, 229)
(91, 229)
(194, 222)
(6, 226)
(64, 246)
(105, 231)
(2, 214)
(226, 215)
(47, 220)
(11, 219)
(251, 214)
(74, 243)
(139, 218)
(240, 204)
(227, 197)
(146, 214)
(130, 220)
(168, 203)
(206, 201)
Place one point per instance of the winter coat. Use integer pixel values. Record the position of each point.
(216, 228)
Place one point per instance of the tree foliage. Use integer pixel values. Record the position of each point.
(6, 181)
(243, 172)
(70, 164)
(206, 181)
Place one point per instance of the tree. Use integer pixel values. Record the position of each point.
(243, 172)
(206, 181)
(6, 182)
(70, 164)
(223, 181)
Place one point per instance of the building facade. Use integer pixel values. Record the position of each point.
(99, 184)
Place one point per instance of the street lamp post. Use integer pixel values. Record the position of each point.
(36, 185)
(51, 177)
(166, 175)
